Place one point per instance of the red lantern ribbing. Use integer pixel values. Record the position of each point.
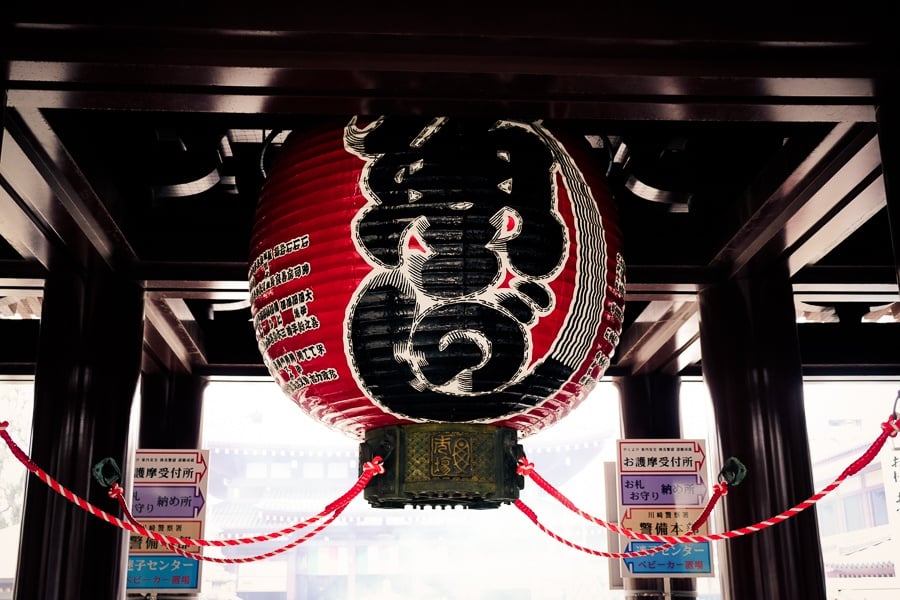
(437, 287)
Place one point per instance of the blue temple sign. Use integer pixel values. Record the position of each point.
(681, 560)
(163, 572)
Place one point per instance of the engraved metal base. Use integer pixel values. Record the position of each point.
(443, 464)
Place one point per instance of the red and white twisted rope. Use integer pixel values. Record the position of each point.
(370, 469)
(118, 493)
(526, 510)
(890, 428)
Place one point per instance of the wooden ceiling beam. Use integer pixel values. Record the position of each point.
(659, 334)
(46, 176)
(170, 321)
(586, 68)
(788, 200)
(843, 217)
(536, 105)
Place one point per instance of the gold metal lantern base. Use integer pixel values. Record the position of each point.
(443, 464)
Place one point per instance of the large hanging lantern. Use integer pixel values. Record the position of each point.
(437, 288)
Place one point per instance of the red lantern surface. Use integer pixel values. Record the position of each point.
(415, 270)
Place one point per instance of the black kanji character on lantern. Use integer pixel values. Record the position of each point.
(464, 233)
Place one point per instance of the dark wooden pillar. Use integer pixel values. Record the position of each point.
(86, 377)
(751, 364)
(650, 405)
(2, 107)
(4, 77)
(650, 409)
(888, 140)
(171, 409)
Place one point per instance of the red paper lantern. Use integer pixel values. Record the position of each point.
(416, 270)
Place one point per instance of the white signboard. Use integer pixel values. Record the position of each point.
(662, 490)
(890, 472)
